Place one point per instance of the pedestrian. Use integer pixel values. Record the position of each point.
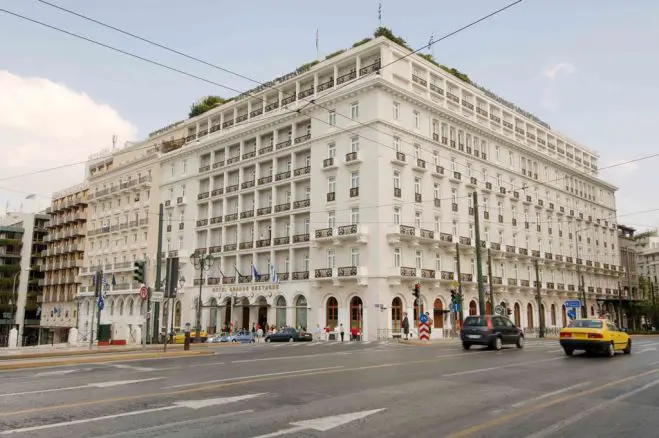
(253, 329)
(342, 331)
(406, 325)
(429, 324)
(259, 334)
(319, 331)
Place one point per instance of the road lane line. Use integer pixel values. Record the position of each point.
(581, 415)
(204, 387)
(89, 385)
(469, 431)
(549, 394)
(165, 426)
(232, 379)
(55, 373)
(512, 365)
(134, 368)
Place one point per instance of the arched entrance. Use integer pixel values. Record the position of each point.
(212, 317)
(396, 314)
(438, 314)
(542, 315)
(245, 323)
(488, 308)
(504, 307)
(517, 311)
(332, 313)
(416, 310)
(564, 316)
(553, 315)
(280, 316)
(301, 313)
(529, 315)
(262, 316)
(473, 310)
(356, 313)
(227, 315)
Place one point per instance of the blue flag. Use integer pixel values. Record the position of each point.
(101, 302)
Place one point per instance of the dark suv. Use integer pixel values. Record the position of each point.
(491, 330)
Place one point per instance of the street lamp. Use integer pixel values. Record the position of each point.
(203, 262)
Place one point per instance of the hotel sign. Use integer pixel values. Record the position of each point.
(247, 288)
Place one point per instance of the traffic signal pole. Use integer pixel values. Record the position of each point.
(538, 296)
(479, 268)
(489, 276)
(157, 282)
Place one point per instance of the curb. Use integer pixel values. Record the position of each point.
(113, 358)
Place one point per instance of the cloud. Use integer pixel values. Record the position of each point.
(557, 69)
(44, 124)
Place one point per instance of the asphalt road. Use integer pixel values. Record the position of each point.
(350, 390)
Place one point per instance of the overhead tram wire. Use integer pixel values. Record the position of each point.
(238, 91)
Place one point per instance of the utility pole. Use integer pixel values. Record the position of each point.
(582, 287)
(619, 304)
(489, 275)
(457, 259)
(157, 283)
(479, 268)
(538, 297)
(98, 293)
(147, 316)
(629, 288)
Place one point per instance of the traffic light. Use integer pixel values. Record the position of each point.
(138, 271)
(417, 291)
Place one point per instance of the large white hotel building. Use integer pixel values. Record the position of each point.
(352, 181)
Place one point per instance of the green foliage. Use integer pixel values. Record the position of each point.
(8, 270)
(333, 54)
(13, 242)
(387, 33)
(307, 66)
(205, 104)
(360, 42)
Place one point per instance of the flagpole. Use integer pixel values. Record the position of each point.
(380, 13)
(317, 46)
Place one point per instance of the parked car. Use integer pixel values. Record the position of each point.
(594, 335)
(243, 336)
(289, 334)
(179, 336)
(493, 331)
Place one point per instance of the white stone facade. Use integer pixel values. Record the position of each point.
(356, 198)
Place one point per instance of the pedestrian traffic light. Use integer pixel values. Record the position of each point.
(138, 271)
(417, 291)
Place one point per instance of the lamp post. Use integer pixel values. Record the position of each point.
(203, 262)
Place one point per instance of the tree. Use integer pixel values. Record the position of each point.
(205, 104)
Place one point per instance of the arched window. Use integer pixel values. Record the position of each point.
(301, 313)
(529, 315)
(396, 314)
(280, 305)
(356, 313)
(130, 304)
(518, 315)
(332, 313)
(438, 314)
(120, 306)
(212, 319)
(488, 308)
(473, 308)
(553, 315)
(111, 307)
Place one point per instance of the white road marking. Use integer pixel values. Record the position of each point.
(645, 350)
(512, 365)
(569, 421)
(269, 359)
(232, 379)
(134, 368)
(55, 373)
(321, 424)
(549, 394)
(191, 404)
(134, 432)
(90, 385)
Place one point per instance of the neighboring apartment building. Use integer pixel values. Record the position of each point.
(629, 280)
(21, 245)
(64, 258)
(122, 224)
(647, 255)
(350, 201)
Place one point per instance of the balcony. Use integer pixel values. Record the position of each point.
(216, 220)
(283, 175)
(283, 144)
(456, 177)
(512, 282)
(203, 195)
(331, 196)
(247, 184)
(417, 197)
(302, 138)
(354, 192)
(549, 256)
(466, 277)
(263, 243)
(426, 234)
(495, 246)
(465, 241)
(282, 207)
(231, 217)
(215, 249)
(218, 191)
(328, 163)
(447, 276)
(246, 214)
(301, 238)
(302, 203)
(263, 211)
(497, 281)
(407, 272)
(264, 180)
(300, 275)
(428, 273)
(510, 249)
(439, 171)
(324, 233)
(282, 240)
(399, 159)
(347, 271)
(473, 182)
(246, 245)
(233, 160)
(265, 150)
(420, 164)
(323, 273)
(325, 85)
(202, 222)
(302, 171)
(352, 158)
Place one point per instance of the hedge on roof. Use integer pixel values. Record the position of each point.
(206, 104)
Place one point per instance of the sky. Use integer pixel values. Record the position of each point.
(586, 67)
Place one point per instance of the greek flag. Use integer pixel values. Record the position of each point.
(238, 274)
(274, 278)
(255, 273)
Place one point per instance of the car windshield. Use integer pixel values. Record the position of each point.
(476, 321)
(586, 323)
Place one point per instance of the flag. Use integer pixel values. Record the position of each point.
(255, 273)
(317, 42)
(238, 274)
(274, 278)
(380, 13)
(114, 280)
(101, 302)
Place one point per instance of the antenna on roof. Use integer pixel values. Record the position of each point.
(380, 13)
(114, 141)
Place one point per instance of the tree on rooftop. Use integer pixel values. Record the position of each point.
(205, 104)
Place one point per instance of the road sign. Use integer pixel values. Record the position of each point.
(424, 332)
(457, 307)
(572, 314)
(498, 310)
(572, 303)
(144, 293)
(423, 318)
(455, 284)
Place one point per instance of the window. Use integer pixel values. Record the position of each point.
(417, 185)
(183, 190)
(307, 226)
(435, 158)
(438, 262)
(454, 195)
(354, 111)
(171, 169)
(437, 191)
(454, 228)
(331, 118)
(437, 224)
(511, 159)
(396, 179)
(453, 163)
(396, 215)
(331, 150)
(417, 219)
(417, 151)
(184, 167)
(354, 257)
(396, 110)
(354, 180)
(497, 152)
(397, 258)
(331, 219)
(419, 259)
(417, 120)
(331, 184)
(397, 144)
(354, 215)
(501, 237)
(354, 144)
(469, 169)
(331, 256)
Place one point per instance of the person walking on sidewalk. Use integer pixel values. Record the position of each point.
(342, 331)
(406, 325)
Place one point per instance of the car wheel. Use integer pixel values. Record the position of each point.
(253, 341)
(466, 346)
(234, 340)
(520, 342)
(497, 344)
(610, 351)
(267, 340)
(568, 351)
(628, 348)
(291, 340)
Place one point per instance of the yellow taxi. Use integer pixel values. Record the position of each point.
(179, 336)
(595, 335)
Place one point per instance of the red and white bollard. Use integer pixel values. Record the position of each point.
(424, 332)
